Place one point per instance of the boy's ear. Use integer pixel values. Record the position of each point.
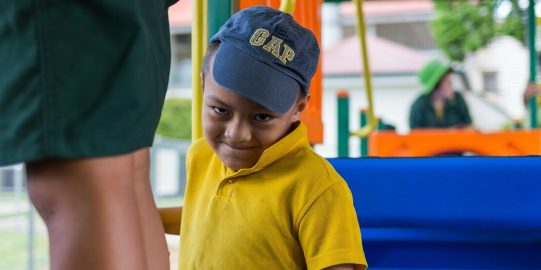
(300, 105)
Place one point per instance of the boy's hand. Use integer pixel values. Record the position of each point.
(171, 217)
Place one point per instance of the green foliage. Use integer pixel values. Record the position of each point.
(464, 26)
(176, 119)
(513, 26)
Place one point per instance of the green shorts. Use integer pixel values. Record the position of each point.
(81, 78)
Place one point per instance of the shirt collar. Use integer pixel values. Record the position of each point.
(292, 142)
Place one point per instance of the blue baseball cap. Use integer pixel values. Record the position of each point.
(265, 56)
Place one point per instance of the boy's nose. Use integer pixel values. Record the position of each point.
(238, 131)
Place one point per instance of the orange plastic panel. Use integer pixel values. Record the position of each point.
(434, 142)
(271, 3)
(308, 14)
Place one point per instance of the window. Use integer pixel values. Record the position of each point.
(490, 82)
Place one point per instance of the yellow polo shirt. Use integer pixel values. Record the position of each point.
(289, 211)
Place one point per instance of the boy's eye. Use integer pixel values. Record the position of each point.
(218, 110)
(263, 117)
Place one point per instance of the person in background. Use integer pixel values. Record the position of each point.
(439, 106)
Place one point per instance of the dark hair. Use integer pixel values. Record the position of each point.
(211, 51)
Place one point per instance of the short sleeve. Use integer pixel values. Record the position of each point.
(329, 231)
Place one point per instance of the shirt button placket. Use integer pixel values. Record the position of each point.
(226, 187)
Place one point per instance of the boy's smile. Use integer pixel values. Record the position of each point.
(238, 129)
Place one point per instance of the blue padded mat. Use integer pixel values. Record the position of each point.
(448, 212)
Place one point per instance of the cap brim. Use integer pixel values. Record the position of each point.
(254, 79)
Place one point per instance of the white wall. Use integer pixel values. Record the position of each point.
(331, 29)
(509, 58)
(392, 95)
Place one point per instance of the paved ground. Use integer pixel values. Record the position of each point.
(173, 244)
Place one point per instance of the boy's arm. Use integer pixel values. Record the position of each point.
(342, 267)
(171, 217)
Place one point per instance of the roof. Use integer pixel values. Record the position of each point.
(180, 14)
(385, 56)
(344, 58)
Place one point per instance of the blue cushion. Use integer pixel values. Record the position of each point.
(448, 212)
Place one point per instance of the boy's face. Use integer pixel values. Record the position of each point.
(239, 129)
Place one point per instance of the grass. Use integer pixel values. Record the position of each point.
(14, 248)
(14, 236)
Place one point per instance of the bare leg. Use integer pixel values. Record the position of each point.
(153, 231)
(90, 209)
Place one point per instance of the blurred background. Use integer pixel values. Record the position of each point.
(484, 41)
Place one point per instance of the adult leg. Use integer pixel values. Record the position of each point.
(153, 232)
(90, 210)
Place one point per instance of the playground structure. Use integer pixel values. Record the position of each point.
(422, 143)
(429, 213)
(377, 143)
(433, 142)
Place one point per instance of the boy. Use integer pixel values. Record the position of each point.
(257, 196)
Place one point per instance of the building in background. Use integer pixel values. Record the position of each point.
(499, 74)
(399, 43)
(180, 19)
(403, 22)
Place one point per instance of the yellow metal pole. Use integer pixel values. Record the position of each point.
(205, 36)
(361, 31)
(287, 6)
(198, 48)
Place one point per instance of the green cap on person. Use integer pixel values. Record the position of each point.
(431, 74)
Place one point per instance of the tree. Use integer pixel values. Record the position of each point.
(464, 26)
(176, 121)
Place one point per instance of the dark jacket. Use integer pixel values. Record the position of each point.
(423, 114)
